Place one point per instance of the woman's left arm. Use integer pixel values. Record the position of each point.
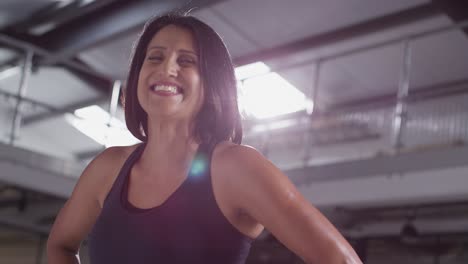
(267, 195)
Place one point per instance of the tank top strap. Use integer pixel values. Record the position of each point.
(114, 193)
(206, 150)
(201, 164)
(200, 176)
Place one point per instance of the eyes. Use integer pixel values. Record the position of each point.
(184, 60)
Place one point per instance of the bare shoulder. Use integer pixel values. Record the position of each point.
(110, 159)
(112, 156)
(81, 210)
(250, 175)
(104, 168)
(239, 164)
(260, 190)
(231, 154)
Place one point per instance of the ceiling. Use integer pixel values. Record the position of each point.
(355, 47)
(87, 45)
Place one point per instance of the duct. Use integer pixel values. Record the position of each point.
(105, 24)
(19, 223)
(383, 164)
(39, 172)
(425, 227)
(57, 177)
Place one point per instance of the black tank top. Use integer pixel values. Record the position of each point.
(187, 228)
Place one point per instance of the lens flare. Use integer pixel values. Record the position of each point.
(199, 165)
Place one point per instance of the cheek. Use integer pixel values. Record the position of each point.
(196, 85)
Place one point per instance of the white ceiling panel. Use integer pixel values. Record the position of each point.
(6, 54)
(302, 78)
(440, 59)
(5, 120)
(366, 74)
(12, 11)
(236, 40)
(111, 58)
(311, 55)
(27, 109)
(369, 72)
(357, 76)
(272, 22)
(55, 136)
(52, 86)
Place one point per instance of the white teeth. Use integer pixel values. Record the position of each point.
(165, 88)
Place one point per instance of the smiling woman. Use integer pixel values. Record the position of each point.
(190, 193)
(204, 54)
(169, 83)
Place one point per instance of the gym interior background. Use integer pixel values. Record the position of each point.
(362, 103)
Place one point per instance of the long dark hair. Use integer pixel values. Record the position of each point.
(219, 118)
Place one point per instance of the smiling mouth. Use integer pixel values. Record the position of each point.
(166, 89)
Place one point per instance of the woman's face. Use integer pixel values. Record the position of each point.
(169, 83)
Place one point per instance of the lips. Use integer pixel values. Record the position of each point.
(166, 89)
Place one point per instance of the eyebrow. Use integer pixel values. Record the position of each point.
(164, 48)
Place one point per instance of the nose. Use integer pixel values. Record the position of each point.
(170, 68)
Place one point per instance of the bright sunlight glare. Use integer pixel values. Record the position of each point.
(92, 121)
(262, 94)
(251, 70)
(265, 94)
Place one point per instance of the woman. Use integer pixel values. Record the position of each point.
(190, 193)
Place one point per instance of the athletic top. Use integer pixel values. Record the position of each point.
(187, 228)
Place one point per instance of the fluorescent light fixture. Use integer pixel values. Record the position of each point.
(251, 70)
(262, 94)
(85, 2)
(265, 94)
(7, 73)
(42, 28)
(62, 3)
(260, 128)
(93, 122)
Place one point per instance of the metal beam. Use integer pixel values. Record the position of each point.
(457, 10)
(451, 88)
(96, 27)
(343, 34)
(458, 208)
(34, 171)
(428, 229)
(34, 218)
(24, 79)
(53, 15)
(384, 164)
(99, 81)
(19, 223)
(53, 112)
(101, 85)
(424, 186)
(104, 24)
(438, 173)
(416, 94)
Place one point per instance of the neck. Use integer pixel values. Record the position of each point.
(169, 143)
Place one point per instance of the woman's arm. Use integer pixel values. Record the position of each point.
(80, 212)
(268, 196)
